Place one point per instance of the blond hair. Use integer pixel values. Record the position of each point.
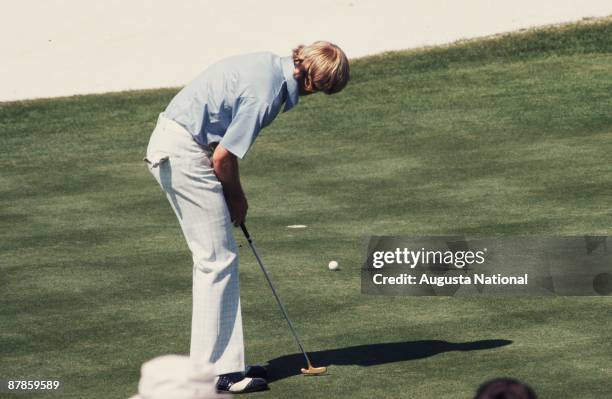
(323, 66)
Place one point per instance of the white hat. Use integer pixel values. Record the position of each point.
(176, 377)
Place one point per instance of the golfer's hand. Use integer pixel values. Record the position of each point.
(238, 207)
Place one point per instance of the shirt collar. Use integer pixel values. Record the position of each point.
(292, 84)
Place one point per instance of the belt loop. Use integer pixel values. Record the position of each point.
(157, 162)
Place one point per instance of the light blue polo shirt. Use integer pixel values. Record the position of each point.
(232, 100)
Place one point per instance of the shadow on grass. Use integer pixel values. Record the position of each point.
(373, 355)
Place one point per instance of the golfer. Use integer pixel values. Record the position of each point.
(193, 154)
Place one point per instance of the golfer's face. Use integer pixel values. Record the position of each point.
(306, 86)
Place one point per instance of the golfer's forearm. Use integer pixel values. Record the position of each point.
(225, 165)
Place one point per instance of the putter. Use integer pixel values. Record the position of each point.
(306, 371)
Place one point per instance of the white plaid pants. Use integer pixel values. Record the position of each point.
(184, 171)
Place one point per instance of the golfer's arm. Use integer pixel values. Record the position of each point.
(225, 165)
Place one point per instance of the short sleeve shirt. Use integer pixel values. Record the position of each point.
(231, 101)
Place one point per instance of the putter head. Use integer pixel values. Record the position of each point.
(314, 370)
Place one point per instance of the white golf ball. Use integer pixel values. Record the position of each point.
(333, 265)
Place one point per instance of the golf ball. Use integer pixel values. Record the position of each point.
(333, 265)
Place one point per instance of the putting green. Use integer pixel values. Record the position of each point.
(509, 135)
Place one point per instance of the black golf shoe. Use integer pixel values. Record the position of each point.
(238, 383)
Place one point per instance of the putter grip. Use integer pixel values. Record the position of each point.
(245, 231)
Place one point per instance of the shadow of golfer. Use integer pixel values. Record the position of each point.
(373, 355)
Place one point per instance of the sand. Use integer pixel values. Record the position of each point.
(63, 47)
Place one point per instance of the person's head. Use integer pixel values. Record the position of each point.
(321, 66)
(505, 388)
(176, 377)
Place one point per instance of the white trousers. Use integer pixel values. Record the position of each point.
(184, 171)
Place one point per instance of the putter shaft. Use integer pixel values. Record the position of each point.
(278, 300)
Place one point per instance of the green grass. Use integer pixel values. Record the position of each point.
(507, 135)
